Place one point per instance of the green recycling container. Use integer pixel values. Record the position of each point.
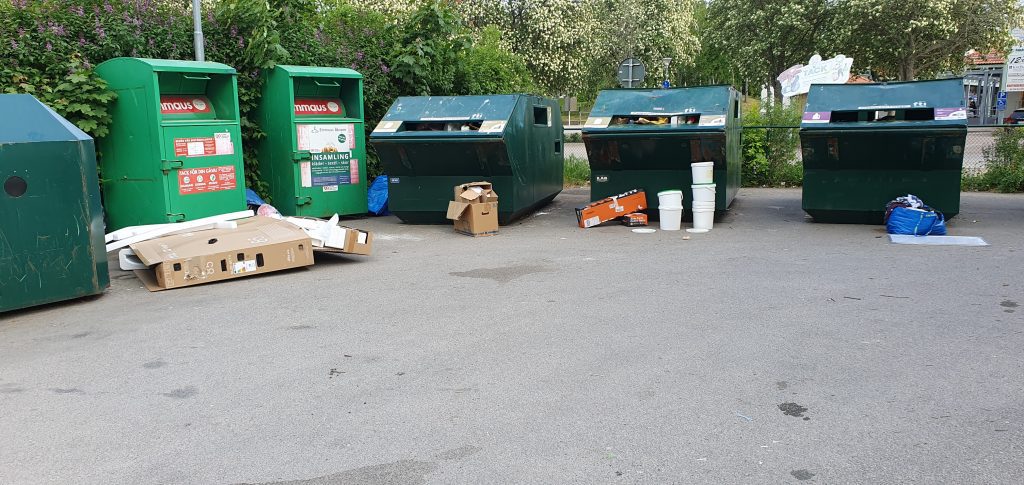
(866, 144)
(51, 221)
(647, 139)
(430, 144)
(314, 152)
(174, 151)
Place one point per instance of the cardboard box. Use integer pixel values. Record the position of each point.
(610, 208)
(636, 219)
(331, 237)
(475, 209)
(258, 245)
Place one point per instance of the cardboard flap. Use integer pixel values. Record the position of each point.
(476, 192)
(455, 209)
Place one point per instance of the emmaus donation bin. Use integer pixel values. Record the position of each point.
(647, 139)
(430, 144)
(314, 152)
(174, 151)
(51, 221)
(867, 144)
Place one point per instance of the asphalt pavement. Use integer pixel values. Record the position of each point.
(770, 350)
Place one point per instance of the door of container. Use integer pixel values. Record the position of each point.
(201, 175)
(328, 158)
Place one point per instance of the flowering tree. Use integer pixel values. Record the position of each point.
(906, 38)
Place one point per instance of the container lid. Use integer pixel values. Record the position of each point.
(670, 192)
(697, 231)
(702, 164)
(644, 230)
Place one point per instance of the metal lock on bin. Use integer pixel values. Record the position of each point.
(314, 152)
(647, 138)
(866, 144)
(174, 151)
(428, 144)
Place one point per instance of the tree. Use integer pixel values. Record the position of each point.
(905, 39)
(649, 30)
(554, 37)
(762, 38)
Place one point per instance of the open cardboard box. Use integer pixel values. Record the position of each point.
(475, 209)
(257, 245)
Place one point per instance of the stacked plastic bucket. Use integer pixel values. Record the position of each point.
(670, 209)
(703, 196)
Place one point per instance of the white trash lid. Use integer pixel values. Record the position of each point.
(697, 231)
(644, 231)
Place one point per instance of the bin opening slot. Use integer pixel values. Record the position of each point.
(467, 125)
(655, 120)
(883, 115)
(542, 115)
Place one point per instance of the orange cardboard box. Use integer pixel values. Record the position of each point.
(635, 219)
(610, 208)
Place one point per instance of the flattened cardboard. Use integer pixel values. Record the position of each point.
(476, 192)
(258, 245)
(610, 208)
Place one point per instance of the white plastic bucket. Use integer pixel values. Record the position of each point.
(670, 217)
(670, 198)
(703, 216)
(703, 172)
(704, 204)
(703, 193)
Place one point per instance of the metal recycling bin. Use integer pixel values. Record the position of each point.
(430, 144)
(866, 144)
(174, 151)
(647, 139)
(51, 220)
(314, 152)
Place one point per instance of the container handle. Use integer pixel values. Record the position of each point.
(196, 78)
(329, 84)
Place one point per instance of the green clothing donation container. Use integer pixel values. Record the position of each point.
(428, 145)
(174, 151)
(866, 144)
(314, 154)
(647, 139)
(51, 220)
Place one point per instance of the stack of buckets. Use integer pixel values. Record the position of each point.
(670, 209)
(703, 196)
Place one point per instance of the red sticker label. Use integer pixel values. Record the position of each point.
(181, 105)
(206, 179)
(321, 107)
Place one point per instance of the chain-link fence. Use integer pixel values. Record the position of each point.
(980, 139)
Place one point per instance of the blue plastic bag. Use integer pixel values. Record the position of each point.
(916, 222)
(251, 198)
(377, 196)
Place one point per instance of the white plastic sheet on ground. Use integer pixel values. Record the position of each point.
(937, 240)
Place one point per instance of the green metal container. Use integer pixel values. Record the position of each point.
(174, 152)
(428, 145)
(647, 139)
(51, 221)
(314, 154)
(866, 144)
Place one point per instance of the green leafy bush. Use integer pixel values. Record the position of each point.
(770, 147)
(487, 68)
(1004, 164)
(577, 172)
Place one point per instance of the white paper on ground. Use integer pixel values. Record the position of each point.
(131, 236)
(937, 240)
